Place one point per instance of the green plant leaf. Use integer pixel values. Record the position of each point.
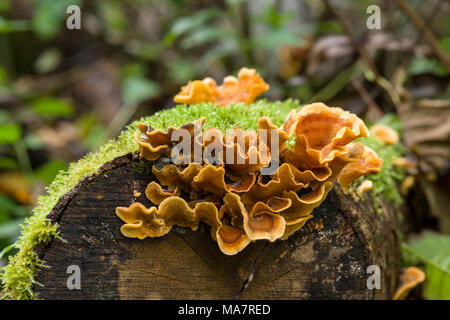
(47, 61)
(226, 48)
(8, 163)
(185, 24)
(182, 70)
(33, 141)
(48, 16)
(48, 171)
(201, 36)
(434, 251)
(6, 203)
(5, 116)
(445, 44)
(10, 229)
(10, 133)
(6, 250)
(136, 89)
(272, 17)
(420, 65)
(3, 76)
(277, 37)
(8, 26)
(52, 107)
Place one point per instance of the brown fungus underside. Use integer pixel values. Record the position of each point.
(234, 198)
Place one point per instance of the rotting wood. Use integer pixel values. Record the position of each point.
(330, 263)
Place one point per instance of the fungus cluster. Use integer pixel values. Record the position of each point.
(245, 88)
(231, 194)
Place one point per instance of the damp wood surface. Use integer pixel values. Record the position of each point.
(328, 262)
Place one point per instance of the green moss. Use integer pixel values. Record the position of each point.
(385, 182)
(18, 276)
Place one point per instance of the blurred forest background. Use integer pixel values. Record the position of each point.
(64, 92)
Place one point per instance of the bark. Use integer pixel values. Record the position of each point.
(330, 263)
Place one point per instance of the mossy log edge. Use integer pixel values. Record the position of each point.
(330, 263)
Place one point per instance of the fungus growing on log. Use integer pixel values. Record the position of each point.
(245, 88)
(227, 189)
(385, 134)
(366, 185)
(155, 143)
(116, 175)
(409, 278)
(369, 162)
(321, 135)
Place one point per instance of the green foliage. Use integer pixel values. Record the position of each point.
(8, 26)
(49, 15)
(49, 170)
(11, 216)
(52, 107)
(8, 163)
(182, 70)
(338, 83)
(278, 32)
(3, 76)
(10, 229)
(137, 89)
(6, 250)
(433, 250)
(47, 61)
(191, 22)
(420, 65)
(10, 133)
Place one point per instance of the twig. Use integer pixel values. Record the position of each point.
(374, 110)
(358, 47)
(242, 11)
(381, 82)
(429, 36)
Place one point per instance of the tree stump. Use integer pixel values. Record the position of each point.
(314, 263)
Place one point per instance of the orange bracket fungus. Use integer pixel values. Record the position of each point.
(385, 134)
(245, 88)
(225, 184)
(409, 278)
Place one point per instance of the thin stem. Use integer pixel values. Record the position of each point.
(426, 32)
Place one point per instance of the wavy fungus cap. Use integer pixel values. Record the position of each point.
(154, 143)
(369, 162)
(241, 152)
(156, 222)
(245, 88)
(385, 134)
(409, 278)
(321, 134)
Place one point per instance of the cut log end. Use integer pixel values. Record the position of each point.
(327, 259)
